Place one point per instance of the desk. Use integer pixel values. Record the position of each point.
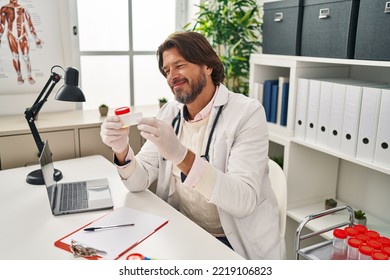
(28, 229)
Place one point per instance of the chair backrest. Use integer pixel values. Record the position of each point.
(279, 186)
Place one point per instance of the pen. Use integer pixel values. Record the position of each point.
(107, 227)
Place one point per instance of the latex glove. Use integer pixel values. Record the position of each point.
(162, 135)
(113, 135)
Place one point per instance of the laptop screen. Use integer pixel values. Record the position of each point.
(47, 166)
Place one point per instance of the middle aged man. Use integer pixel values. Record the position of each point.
(208, 149)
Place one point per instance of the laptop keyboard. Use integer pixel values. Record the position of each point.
(74, 196)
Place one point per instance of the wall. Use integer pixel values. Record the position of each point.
(16, 103)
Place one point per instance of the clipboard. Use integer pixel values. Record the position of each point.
(115, 242)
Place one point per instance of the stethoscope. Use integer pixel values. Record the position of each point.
(176, 125)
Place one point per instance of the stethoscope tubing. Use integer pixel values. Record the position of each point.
(176, 125)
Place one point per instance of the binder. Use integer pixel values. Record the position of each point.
(301, 109)
(258, 92)
(115, 242)
(282, 81)
(368, 124)
(312, 111)
(284, 106)
(336, 116)
(274, 103)
(325, 104)
(353, 98)
(382, 145)
(267, 92)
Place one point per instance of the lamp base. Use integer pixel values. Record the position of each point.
(36, 178)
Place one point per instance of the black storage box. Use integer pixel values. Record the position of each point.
(329, 28)
(282, 27)
(373, 30)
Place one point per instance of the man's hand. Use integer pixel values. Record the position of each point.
(162, 135)
(113, 135)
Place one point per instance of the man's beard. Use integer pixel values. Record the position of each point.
(195, 90)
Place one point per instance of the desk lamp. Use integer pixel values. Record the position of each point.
(68, 92)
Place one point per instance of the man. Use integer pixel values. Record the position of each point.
(16, 20)
(215, 170)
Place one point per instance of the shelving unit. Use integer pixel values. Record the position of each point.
(315, 173)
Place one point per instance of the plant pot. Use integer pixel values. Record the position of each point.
(362, 222)
(330, 203)
(161, 103)
(103, 111)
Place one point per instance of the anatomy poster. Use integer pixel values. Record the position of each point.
(30, 44)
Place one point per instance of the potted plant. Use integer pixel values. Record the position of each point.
(103, 109)
(233, 28)
(278, 160)
(162, 101)
(330, 203)
(360, 217)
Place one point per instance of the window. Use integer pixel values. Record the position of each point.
(117, 44)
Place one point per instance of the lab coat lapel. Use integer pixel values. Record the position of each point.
(221, 99)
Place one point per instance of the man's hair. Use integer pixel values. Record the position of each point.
(194, 48)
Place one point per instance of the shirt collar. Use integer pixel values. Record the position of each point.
(204, 113)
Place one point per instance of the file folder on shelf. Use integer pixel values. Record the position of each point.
(258, 92)
(382, 147)
(281, 94)
(267, 96)
(114, 243)
(324, 113)
(284, 107)
(336, 116)
(368, 123)
(301, 109)
(312, 111)
(274, 103)
(353, 99)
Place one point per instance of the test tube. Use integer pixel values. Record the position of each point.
(353, 248)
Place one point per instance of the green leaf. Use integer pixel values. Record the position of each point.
(233, 28)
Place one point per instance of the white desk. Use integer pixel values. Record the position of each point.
(28, 230)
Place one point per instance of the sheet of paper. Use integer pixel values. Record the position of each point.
(116, 241)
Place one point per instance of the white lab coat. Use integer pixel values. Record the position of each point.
(239, 156)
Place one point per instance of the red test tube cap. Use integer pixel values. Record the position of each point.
(379, 256)
(351, 232)
(360, 228)
(366, 250)
(386, 249)
(339, 233)
(122, 110)
(362, 237)
(354, 242)
(372, 234)
(384, 240)
(374, 244)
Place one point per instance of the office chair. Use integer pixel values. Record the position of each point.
(279, 186)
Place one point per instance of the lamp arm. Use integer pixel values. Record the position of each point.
(32, 112)
(35, 134)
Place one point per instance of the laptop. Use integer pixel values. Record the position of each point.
(73, 197)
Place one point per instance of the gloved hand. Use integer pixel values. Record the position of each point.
(162, 135)
(113, 135)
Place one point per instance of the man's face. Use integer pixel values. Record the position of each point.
(186, 80)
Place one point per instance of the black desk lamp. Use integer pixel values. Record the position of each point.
(68, 92)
